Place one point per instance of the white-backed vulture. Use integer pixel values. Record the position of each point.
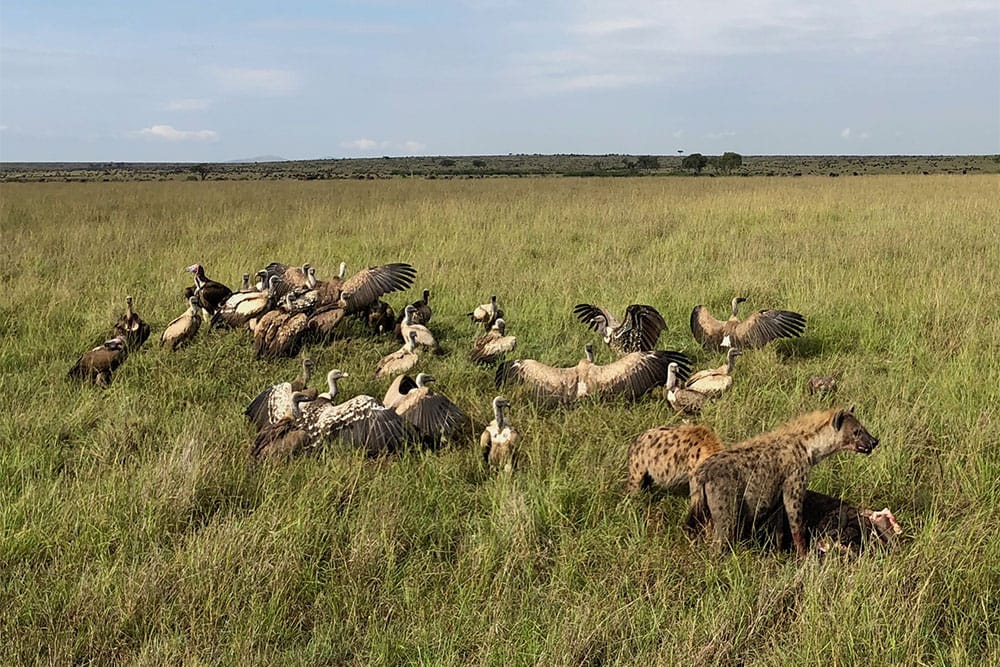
(493, 344)
(399, 361)
(486, 313)
(279, 332)
(630, 377)
(243, 307)
(757, 330)
(714, 381)
(131, 328)
(435, 418)
(499, 441)
(97, 365)
(183, 329)
(423, 335)
(685, 401)
(364, 288)
(638, 333)
(287, 436)
(211, 294)
(275, 402)
(362, 422)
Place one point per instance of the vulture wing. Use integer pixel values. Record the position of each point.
(365, 287)
(643, 326)
(364, 423)
(766, 325)
(400, 387)
(547, 381)
(433, 415)
(706, 329)
(634, 374)
(586, 313)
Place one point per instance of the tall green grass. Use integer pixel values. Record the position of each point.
(133, 527)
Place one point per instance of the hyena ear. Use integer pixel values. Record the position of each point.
(851, 410)
(838, 419)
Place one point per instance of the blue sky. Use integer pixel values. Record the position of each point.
(204, 81)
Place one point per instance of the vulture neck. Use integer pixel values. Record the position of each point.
(671, 378)
(332, 386)
(499, 416)
(730, 362)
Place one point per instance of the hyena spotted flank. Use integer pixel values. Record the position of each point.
(746, 482)
(666, 456)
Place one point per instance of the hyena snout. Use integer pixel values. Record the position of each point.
(866, 442)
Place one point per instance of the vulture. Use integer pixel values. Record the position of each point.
(424, 337)
(262, 280)
(714, 381)
(295, 280)
(435, 418)
(685, 401)
(493, 344)
(210, 294)
(275, 402)
(399, 361)
(245, 287)
(421, 314)
(278, 332)
(486, 313)
(630, 377)
(97, 365)
(499, 441)
(362, 421)
(638, 333)
(288, 435)
(755, 331)
(380, 317)
(242, 308)
(131, 328)
(183, 329)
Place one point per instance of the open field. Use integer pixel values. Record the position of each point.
(133, 528)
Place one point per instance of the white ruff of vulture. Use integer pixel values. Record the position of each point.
(630, 377)
(97, 365)
(278, 332)
(493, 345)
(399, 361)
(361, 422)
(486, 313)
(211, 294)
(715, 381)
(131, 328)
(685, 401)
(183, 329)
(275, 402)
(638, 333)
(287, 436)
(499, 441)
(243, 307)
(424, 337)
(436, 419)
(755, 331)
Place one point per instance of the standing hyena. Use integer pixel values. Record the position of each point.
(746, 482)
(666, 456)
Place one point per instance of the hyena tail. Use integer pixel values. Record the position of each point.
(699, 514)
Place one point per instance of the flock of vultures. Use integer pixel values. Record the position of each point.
(755, 490)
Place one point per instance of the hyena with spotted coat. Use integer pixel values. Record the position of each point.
(746, 482)
(667, 456)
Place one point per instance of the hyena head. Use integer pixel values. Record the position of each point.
(852, 434)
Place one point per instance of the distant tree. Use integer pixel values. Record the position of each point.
(479, 164)
(201, 170)
(648, 162)
(695, 162)
(446, 162)
(629, 164)
(728, 161)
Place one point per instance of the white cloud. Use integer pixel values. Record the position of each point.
(408, 147)
(170, 133)
(269, 82)
(188, 104)
(846, 132)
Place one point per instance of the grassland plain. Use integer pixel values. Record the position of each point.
(134, 529)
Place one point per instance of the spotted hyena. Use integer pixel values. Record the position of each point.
(666, 456)
(745, 483)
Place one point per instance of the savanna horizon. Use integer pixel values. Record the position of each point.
(135, 528)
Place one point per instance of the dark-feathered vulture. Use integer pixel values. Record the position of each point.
(638, 333)
(362, 422)
(279, 332)
(211, 294)
(630, 377)
(435, 418)
(97, 365)
(131, 328)
(380, 317)
(486, 313)
(275, 402)
(493, 344)
(755, 331)
(287, 436)
(183, 329)
(498, 441)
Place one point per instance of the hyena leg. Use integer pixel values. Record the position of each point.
(794, 492)
(722, 506)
